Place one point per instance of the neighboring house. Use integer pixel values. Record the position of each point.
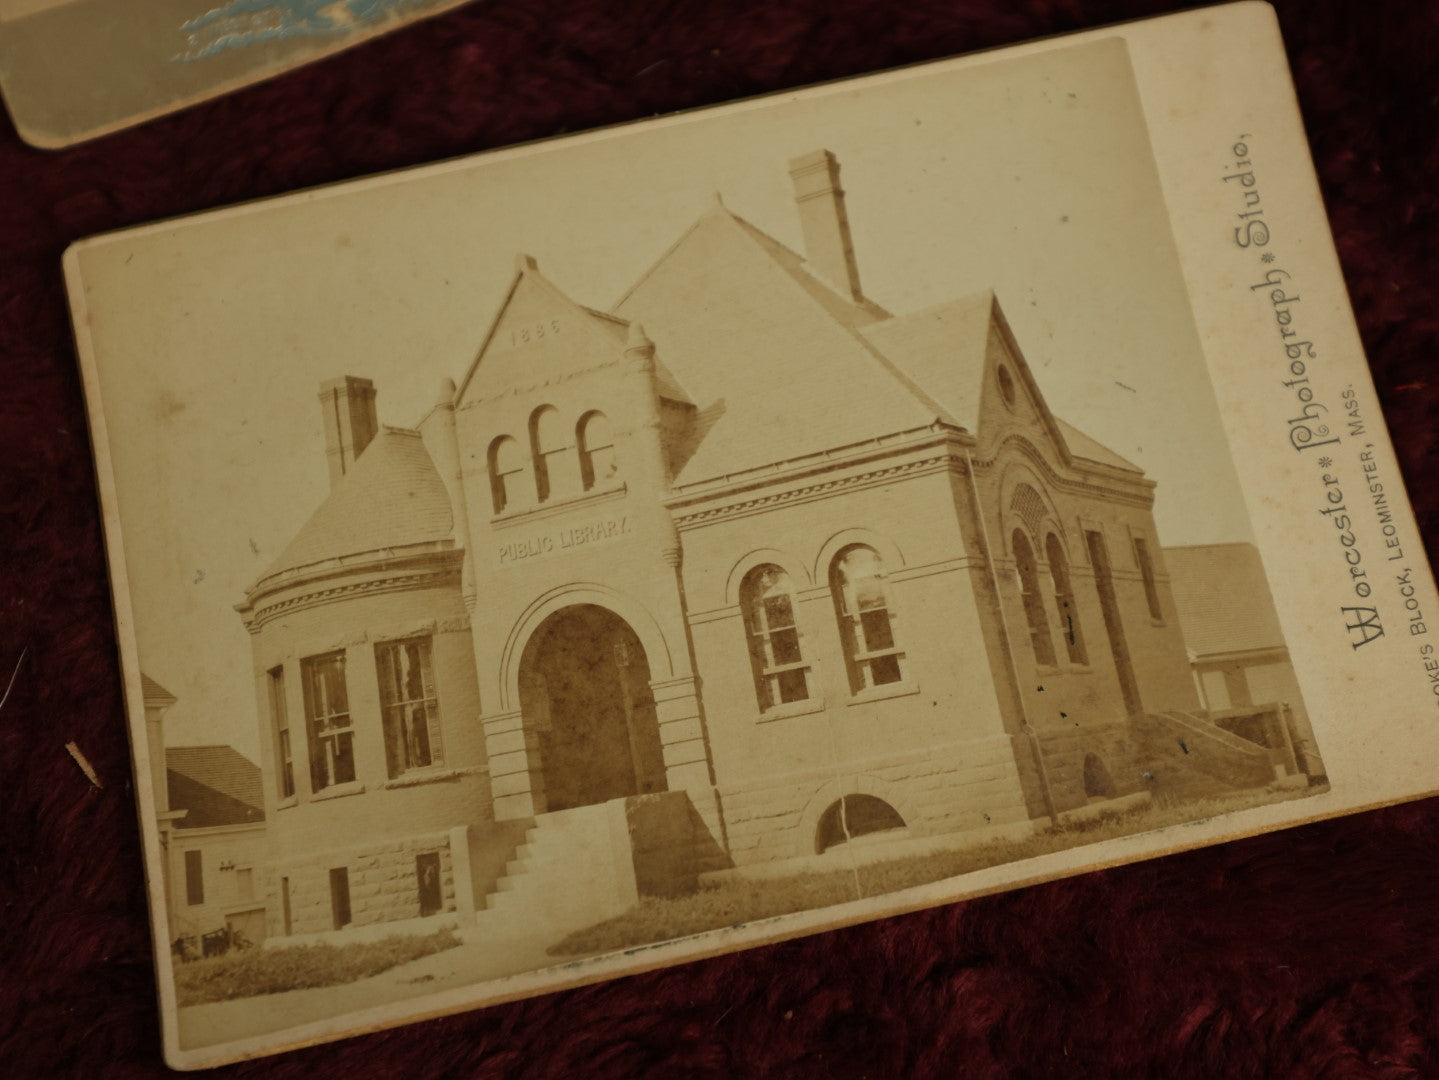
(1236, 646)
(214, 857)
(731, 573)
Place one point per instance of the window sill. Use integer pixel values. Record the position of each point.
(904, 688)
(338, 791)
(416, 777)
(287, 802)
(791, 708)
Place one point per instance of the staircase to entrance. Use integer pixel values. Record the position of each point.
(572, 868)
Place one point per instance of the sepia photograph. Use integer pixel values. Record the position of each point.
(549, 555)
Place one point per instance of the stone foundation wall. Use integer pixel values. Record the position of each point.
(670, 842)
(1118, 749)
(937, 790)
(383, 878)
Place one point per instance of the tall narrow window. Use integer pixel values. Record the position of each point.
(1033, 602)
(327, 712)
(866, 618)
(780, 673)
(280, 718)
(409, 705)
(1146, 571)
(556, 472)
(509, 488)
(1069, 627)
(194, 878)
(285, 918)
(340, 896)
(597, 450)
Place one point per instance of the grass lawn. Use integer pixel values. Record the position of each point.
(299, 967)
(733, 902)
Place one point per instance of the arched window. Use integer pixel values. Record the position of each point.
(1069, 626)
(866, 619)
(553, 448)
(597, 450)
(852, 817)
(1033, 602)
(780, 672)
(509, 486)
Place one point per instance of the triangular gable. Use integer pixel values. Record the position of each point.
(540, 333)
(773, 368)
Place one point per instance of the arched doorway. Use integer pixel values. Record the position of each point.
(585, 689)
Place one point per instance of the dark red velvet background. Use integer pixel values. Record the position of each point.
(1312, 952)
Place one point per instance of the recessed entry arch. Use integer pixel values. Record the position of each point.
(585, 698)
(657, 651)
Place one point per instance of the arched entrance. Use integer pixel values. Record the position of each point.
(585, 690)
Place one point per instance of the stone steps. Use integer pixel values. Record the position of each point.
(572, 869)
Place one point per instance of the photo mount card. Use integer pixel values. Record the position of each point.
(72, 70)
(604, 553)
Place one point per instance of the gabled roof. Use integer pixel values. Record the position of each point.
(156, 696)
(217, 785)
(1223, 599)
(772, 357)
(391, 497)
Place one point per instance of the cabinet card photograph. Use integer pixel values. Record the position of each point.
(72, 70)
(609, 552)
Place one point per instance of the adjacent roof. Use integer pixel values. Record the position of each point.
(1223, 599)
(217, 785)
(156, 696)
(391, 497)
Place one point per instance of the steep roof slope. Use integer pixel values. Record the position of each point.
(776, 367)
(942, 348)
(1082, 446)
(392, 497)
(217, 785)
(1223, 598)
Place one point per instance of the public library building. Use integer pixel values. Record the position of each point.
(737, 573)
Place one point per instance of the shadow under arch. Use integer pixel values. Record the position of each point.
(657, 650)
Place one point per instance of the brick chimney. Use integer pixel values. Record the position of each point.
(828, 249)
(348, 404)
